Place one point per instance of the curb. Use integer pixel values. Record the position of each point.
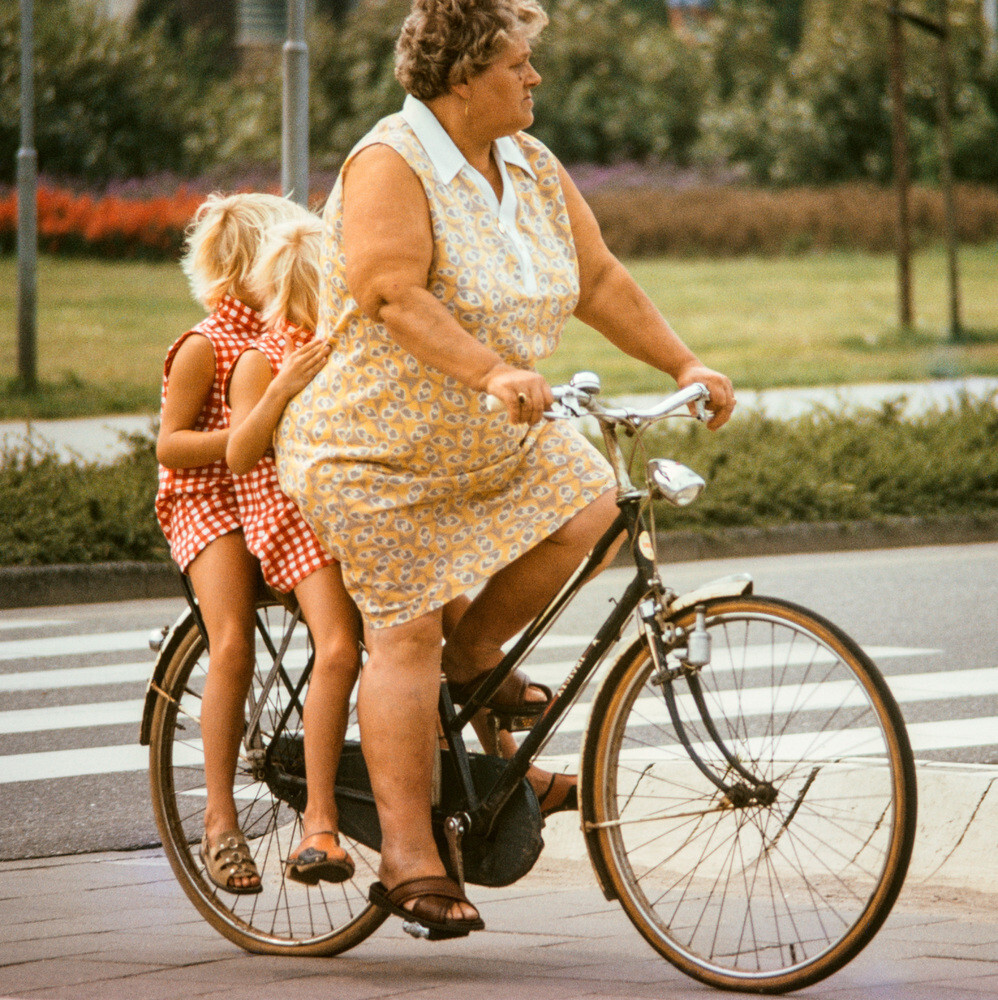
(43, 586)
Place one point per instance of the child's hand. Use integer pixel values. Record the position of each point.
(301, 365)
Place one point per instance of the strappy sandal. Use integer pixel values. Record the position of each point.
(561, 795)
(229, 859)
(311, 866)
(434, 895)
(510, 698)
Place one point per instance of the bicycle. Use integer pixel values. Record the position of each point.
(747, 787)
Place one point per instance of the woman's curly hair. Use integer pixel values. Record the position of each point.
(444, 42)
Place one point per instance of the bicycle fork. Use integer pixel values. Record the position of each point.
(663, 638)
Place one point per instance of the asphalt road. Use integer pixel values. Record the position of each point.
(922, 611)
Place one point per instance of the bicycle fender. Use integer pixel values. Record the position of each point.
(177, 631)
(725, 586)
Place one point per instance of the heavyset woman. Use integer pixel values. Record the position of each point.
(455, 249)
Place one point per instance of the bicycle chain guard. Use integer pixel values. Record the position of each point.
(500, 859)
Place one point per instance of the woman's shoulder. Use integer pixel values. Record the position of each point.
(392, 131)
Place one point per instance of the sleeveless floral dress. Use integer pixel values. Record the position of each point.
(405, 474)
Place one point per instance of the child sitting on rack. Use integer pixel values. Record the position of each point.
(196, 501)
(265, 376)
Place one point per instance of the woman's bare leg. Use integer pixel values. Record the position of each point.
(397, 710)
(334, 622)
(514, 596)
(224, 576)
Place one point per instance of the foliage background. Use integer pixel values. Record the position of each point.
(792, 93)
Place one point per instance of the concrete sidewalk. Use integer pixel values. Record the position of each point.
(100, 439)
(117, 927)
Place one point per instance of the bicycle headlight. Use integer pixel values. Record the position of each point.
(674, 482)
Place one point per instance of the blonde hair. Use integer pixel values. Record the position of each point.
(223, 239)
(286, 274)
(444, 42)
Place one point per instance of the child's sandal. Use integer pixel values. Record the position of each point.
(228, 859)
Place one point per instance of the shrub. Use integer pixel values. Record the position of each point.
(825, 466)
(760, 471)
(110, 101)
(54, 512)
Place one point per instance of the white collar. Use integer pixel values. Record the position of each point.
(446, 158)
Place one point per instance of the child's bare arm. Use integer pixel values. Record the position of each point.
(257, 400)
(178, 445)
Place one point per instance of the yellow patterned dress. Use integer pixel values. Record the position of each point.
(405, 474)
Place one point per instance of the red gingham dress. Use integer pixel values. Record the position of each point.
(273, 527)
(195, 506)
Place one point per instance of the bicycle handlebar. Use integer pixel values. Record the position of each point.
(578, 399)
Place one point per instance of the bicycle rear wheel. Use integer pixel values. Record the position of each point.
(781, 880)
(286, 917)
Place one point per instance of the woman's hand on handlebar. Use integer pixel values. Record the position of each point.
(525, 394)
(722, 393)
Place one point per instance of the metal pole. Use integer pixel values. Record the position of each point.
(27, 210)
(294, 129)
(902, 170)
(946, 172)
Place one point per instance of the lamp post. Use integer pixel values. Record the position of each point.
(294, 121)
(902, 169)
(27, 210)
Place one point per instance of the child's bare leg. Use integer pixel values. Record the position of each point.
(224, 576)
(334, 623)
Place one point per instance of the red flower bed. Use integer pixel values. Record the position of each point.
(108, 227)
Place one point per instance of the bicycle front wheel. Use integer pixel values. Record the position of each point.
(286, 918)
(756, 831)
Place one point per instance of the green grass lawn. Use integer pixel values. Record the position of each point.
(103, 328)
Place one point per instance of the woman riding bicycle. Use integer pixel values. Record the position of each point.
(456, 247)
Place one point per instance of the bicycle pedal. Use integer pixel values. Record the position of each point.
(416, 930)
(514, 723)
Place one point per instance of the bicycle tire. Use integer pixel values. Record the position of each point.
(286, 918)
(755, 897)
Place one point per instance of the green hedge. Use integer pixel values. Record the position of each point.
(760, 472)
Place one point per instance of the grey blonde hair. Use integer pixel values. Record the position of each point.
(286, 275)
(444, 42)
(223, 239)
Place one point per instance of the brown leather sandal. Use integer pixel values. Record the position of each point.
(509, 698)
(229, 858)
(434, 895)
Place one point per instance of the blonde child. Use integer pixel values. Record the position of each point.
(196, 503)
(265, 376)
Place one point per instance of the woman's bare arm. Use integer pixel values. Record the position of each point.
(388, 242)
(613, 303)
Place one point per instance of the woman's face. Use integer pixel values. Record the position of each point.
(499, 98)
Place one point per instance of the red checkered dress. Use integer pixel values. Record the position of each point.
(195, 506)
(274, 529)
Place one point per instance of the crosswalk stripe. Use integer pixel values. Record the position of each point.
(751, 701)
(70, 677)
(26, 623)
(925, 736)
(69, 645)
